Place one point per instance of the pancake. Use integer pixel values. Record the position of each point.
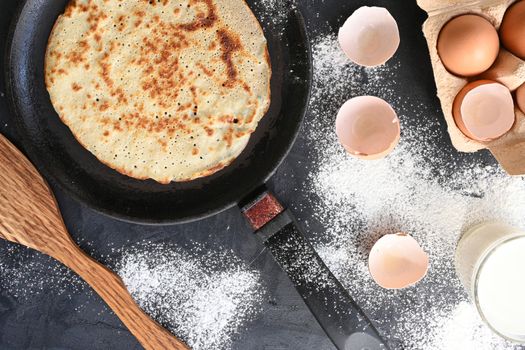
(168, 89)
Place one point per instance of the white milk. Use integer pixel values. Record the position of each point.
(490, 260)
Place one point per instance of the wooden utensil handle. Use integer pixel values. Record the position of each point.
(111, 289)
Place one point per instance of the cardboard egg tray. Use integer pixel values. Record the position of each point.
(508, 69)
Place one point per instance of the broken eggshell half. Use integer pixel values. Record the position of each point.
(370, 36)
(484, 110)
(397, 261)
(367, 127)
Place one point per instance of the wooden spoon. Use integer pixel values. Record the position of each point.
(29, 216)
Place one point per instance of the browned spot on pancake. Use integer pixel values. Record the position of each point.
(204, 20)
(121, 23)
(194, 151)
(75, 57)
(104, 106)
(76, 87)
(135, 121)
(57, 54)
(61, 71)
(214, 169)
(95, 15)
(228, 119)
(183, 108)
(209, 131)
(116, 126)
(105, 74)
(204, 69)
(87, 66)
(228, 137)
(159, 61)
(230, 44)
(246, 87)
(120, 95)
(71, 7)
(106, 133)
(112, 46)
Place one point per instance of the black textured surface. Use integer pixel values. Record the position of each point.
(78, 320)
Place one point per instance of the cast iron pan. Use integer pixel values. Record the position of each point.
(54, 150)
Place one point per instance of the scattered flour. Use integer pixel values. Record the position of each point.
(25, 274)
(421, 188)
(274, 13)
(204, 299)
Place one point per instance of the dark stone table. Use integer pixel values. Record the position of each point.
(75, 318)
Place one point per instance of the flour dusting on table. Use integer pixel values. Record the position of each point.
(430, 192)
(27, 275)
(274, 13)
(205, 299)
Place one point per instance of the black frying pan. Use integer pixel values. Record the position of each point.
(54, 150)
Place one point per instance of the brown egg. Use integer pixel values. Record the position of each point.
(468, 45)
(512, 29)
(520, 97)
(484, 110)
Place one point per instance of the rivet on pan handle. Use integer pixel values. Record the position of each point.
(341, 318)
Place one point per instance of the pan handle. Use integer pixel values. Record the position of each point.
(338, 314)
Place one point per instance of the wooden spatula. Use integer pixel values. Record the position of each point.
(29, 216)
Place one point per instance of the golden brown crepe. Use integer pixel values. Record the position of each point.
(165, 89)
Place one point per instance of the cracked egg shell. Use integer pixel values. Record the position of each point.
(367, 127)
(397, 261)
(484, 110)
(370, 36)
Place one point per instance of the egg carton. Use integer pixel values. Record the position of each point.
(508, 69)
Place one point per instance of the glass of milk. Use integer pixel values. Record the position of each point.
(490, 261)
